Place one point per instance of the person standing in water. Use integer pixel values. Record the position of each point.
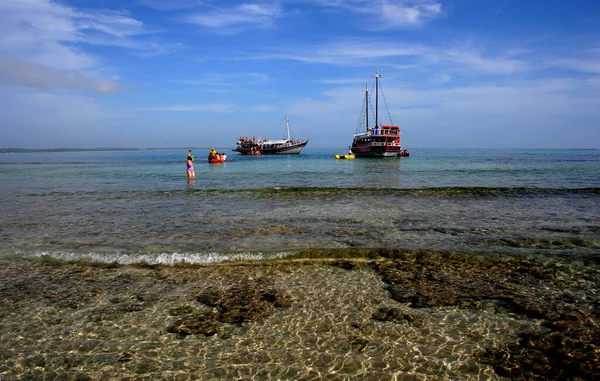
(190, 165)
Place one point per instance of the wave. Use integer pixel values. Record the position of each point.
(170, 259)
(331, 255)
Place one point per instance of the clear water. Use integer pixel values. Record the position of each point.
(139, 205)
(72, 319)
(426, 168)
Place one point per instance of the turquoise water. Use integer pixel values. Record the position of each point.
(139, 206)
(426, 168)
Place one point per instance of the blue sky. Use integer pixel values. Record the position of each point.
(199, 73)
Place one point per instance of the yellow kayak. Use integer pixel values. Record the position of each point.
(349, 157)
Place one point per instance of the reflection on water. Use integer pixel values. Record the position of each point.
(372, 172)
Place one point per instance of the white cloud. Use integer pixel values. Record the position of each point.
(389, 13)
(38, 38)
(241, 17)
(359, 52)
(406, 14)
(51, 40)
(474, 60)
(31, 28)
(113, 23)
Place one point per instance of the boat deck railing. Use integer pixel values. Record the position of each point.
(384, 144)
(371, 134)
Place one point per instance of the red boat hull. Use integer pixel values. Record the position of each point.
(380, 143)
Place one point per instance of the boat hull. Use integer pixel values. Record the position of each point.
(401, 153)
(257, 150)
(384, 142)
(376, 149)
(376, 153)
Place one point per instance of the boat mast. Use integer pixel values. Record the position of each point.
(287, 125)
(377, 76)
(366, 107)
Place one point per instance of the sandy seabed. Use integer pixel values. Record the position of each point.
(390, 315)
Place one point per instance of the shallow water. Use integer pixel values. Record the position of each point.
(375, 258)
(138, 204)
(197, 223)
(323, 319)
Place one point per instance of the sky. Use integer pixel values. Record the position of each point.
(201, 73)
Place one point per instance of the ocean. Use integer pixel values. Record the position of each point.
(448, 264)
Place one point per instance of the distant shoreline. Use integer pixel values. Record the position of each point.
(105, 149)
(40, 150)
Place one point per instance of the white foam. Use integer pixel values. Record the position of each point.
(160, 258)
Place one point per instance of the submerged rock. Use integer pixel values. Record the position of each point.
(197, 324)
(245, 302)
(568, 349)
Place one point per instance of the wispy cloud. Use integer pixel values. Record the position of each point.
(45, 44)
(498, 64)
(407, 14)
(113, 23)
(346, 52)
(358, 52)
(241, 17)
(384, 14)
(584, 64)
(226, 79)
(387, 13)
(216, 107)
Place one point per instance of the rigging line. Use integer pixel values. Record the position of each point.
(361, 118)
(386, 105)
(372, 110)
(276, 129)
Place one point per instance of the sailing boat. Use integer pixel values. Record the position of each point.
(258, 146)
(380, 140)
